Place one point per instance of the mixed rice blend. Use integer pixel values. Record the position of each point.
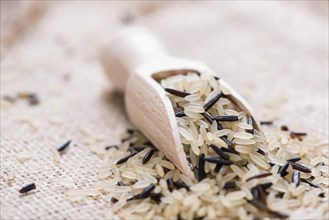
(241, 173)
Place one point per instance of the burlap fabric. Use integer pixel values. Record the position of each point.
(274, 53)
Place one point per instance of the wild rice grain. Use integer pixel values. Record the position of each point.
(295, 159)
(180, 114)
(64, 146)
(212, 102)
(294, 133)
(217, 168)
(148, 156)
(283, 170)
(309, 182)
(230, 150)
(229, 143)
(146, 192)
(218, 161)
(177, 93)
(201, 173)
(27, 188)
(262, 175)
(266, 122)
(219, 126)
(208, 117)
(124, 159)
(228, 118)
(300, 168)
(219, 152)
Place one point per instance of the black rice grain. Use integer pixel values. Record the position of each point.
(208, 117)
(64, 146)
(298, 133)
(180, 114)
(283, 170)
(295, 159)
(146, 192)
(226, 118)
(218, 161)
(219, 126)
(177, 93)
(301, 168)
(261, 152)
(266, 122)
(217, 168)
(27, 188)
(262, 175)
(229, 143)
(148, 156)
(219, 152)
(309, 183)
(230, 150)
(201, 173)
(124, 159)
(212, 102)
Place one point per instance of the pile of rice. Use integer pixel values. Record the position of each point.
(241, 173)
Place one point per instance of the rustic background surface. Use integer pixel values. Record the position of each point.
(274, 53)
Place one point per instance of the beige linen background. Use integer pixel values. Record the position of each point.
(274, 53)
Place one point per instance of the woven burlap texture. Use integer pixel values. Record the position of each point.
(274, 53)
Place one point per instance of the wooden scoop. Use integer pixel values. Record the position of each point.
(135, 61)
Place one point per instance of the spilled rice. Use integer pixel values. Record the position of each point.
(241, 173)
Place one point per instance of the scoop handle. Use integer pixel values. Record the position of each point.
(131, 48)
